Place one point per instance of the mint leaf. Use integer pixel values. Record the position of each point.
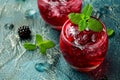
(75, 17)
(42, 49)
(39, 39)
(82, 25)
(94, 25)
(87, 10)
(29, 46)
(46, 45)
(110, 32)
(43, 45)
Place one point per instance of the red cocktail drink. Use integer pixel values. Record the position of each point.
(55, 12)
(83, 50)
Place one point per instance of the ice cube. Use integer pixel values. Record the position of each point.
(93, 38)
(78, 45)
(71, 31)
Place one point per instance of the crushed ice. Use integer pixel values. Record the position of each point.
(71, 31)
(93, 38)
(78, 45)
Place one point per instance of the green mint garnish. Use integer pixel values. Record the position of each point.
(46, 45)
(43, 45)
(83, 24)
(29, 46)
(94, 25)
(39, 39)
(87, 10)
(75, 17)
(110, 32)
(84, 20)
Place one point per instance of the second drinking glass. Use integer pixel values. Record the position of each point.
(55, 12)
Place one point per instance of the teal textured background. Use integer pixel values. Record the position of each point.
(18, 64)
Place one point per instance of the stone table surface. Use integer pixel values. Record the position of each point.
(18, 64)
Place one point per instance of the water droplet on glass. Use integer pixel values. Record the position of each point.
(9, 26)
(41, 67)
(30, 13)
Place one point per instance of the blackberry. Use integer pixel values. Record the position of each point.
(24, 32)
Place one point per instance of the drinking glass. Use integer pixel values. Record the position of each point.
(55, 12)
(85, 50)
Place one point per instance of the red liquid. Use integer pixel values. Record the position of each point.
(84, 50)
(55, 12)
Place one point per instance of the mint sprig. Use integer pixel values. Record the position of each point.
(84, 20)
(41, 44)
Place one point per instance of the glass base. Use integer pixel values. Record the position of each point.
(59, 28)
(85, 69)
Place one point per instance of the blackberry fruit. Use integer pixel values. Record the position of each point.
(24, 32)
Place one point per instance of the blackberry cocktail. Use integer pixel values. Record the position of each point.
(84, 50)
(55, 12)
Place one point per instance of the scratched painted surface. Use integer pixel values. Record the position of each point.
(18, 64)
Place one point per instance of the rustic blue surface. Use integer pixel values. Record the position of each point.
(18, 64)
